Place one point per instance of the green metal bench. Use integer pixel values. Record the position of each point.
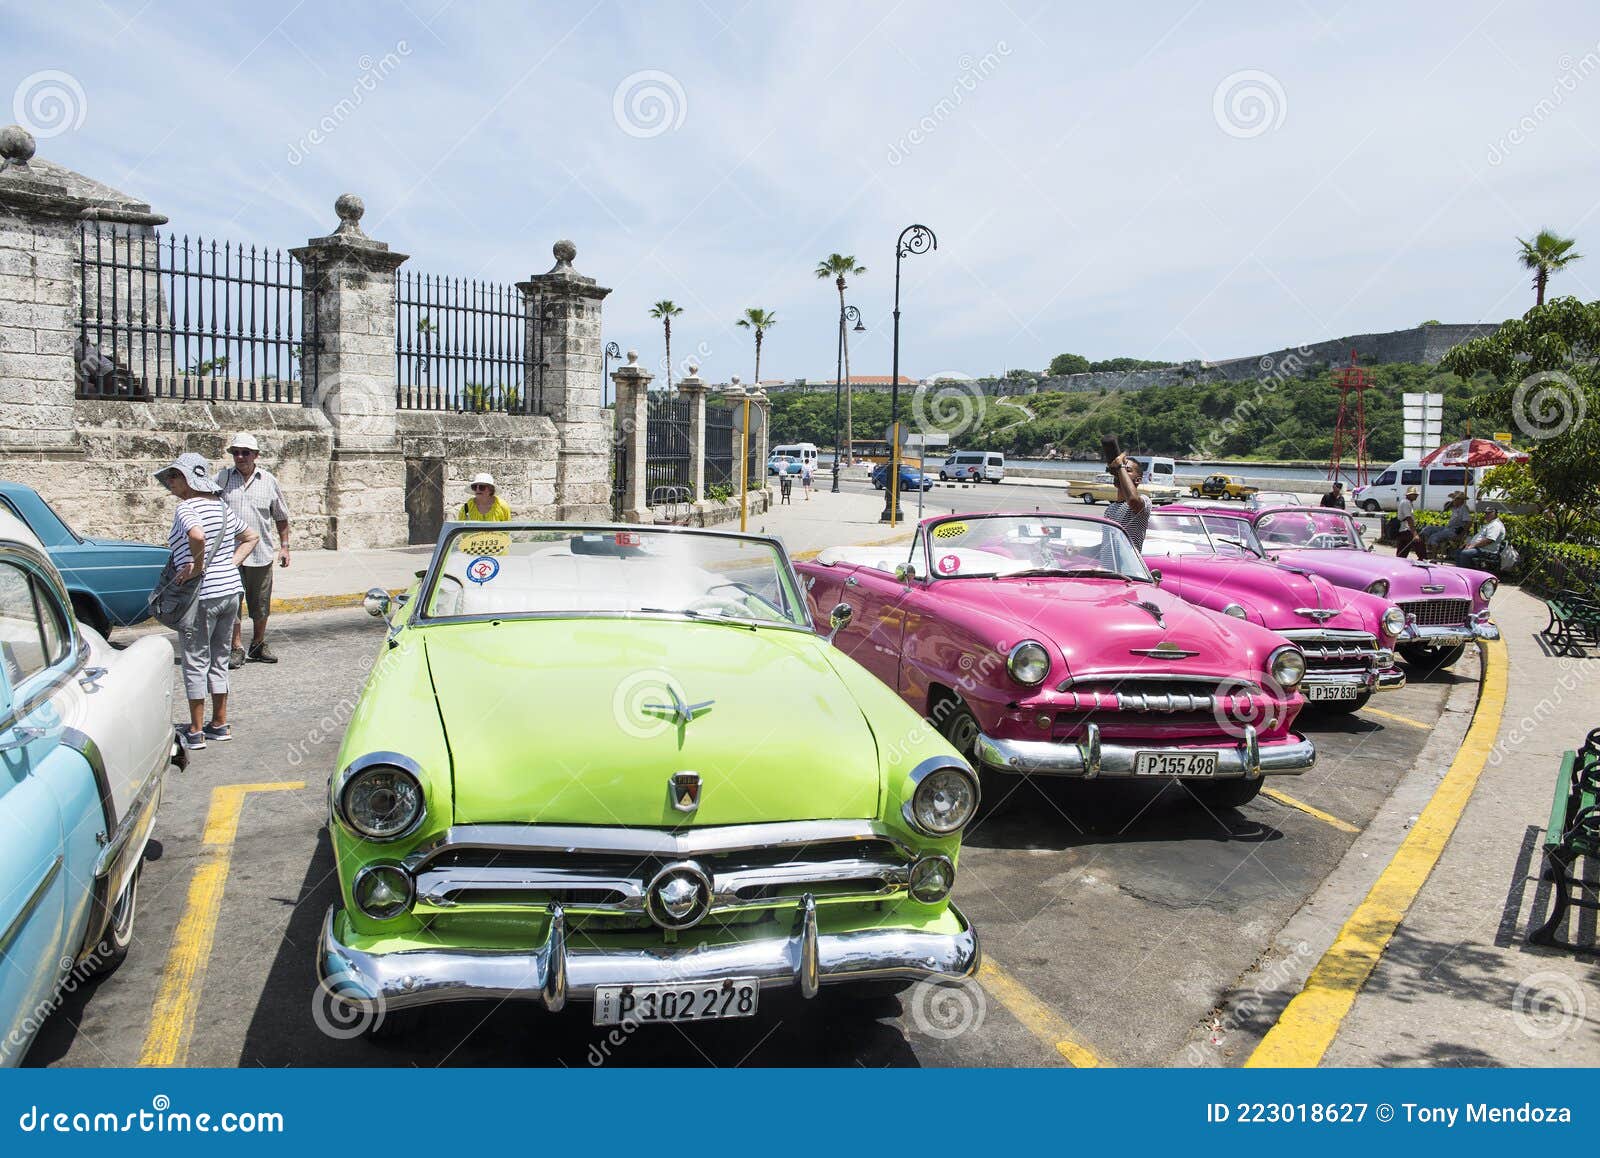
(1574, 620)
(1573, 832)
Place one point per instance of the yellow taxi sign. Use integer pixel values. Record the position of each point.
(484, 543)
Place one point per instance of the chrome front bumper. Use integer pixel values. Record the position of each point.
(1090, 758)
(1384, 680)
(1448, 636)
(555, 973)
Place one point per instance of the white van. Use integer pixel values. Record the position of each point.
(1385, 492)
(974, 466)
(797, 455)
(1160, 477)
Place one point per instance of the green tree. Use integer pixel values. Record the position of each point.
(1064, 364)
(666, 311)
(838, 266)
(760, 321)
(1546, 254)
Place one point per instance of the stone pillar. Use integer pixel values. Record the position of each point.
(693, 389)
(563, 318)
(349, 311)
(629, 423)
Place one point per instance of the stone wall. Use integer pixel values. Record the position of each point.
(519, 451)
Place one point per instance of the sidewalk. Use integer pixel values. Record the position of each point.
(1457, 985)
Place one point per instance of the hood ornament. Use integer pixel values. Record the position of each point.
(683, 713)
(1166, 649)
(1320, 614)
(685, 790)
(1155, 612)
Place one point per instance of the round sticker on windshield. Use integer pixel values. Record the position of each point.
(949, 564)
(483, 569)
(484, 543)
(950, 530)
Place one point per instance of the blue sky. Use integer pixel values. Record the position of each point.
(1177, 181)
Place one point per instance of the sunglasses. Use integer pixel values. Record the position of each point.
(481, 487)
(237, 453)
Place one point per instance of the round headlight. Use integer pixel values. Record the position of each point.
(1028, 662)
(944, 799)
(382, 801)
(1394, 621)
(1487, 588)
(382, 891)
(1378, 587)
(1235, 610)
(932, 878)
(1287, 666)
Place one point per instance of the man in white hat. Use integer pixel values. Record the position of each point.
(484, 506)
(252, 493)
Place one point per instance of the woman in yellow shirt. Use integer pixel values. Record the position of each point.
(484, 506)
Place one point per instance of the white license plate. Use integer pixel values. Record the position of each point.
(1331, 691)
(1175, 764)
(671, 1001)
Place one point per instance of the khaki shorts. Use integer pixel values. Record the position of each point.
(257, 590)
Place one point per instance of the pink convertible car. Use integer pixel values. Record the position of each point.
(1347, 637)
(1041, 644)
(1445, 607)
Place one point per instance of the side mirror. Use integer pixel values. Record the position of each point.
(1155, 574)
(376, 601)
(839, 619)
(905, 572)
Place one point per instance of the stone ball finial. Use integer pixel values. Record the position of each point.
(694, 369)
(350, 209)
(16, 147)
(633, 357)
(734, 382)
(564, 251)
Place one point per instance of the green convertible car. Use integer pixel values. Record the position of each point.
(619, 766)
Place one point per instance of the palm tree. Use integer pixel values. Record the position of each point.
(760, 321)
(838, 266)
(1546, 254)
(666, 311)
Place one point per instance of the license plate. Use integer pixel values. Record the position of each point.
(1331, 691)
(1175, 764)
(671, 1001)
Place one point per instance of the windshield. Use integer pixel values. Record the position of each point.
(577, 571)
(997, 546)
(1316, 528)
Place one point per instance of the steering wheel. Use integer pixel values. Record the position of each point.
(1327, 541)
(719, 605)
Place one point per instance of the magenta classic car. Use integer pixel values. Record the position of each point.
(1040, 644)
(1445, 607)
(1347, 637)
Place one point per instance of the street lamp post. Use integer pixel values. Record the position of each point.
(846, 313)
(913, 239)
(612, 350)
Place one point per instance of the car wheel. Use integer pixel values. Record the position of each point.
(1225, 793)
(956, 723)
(1370, 506)
(1428, 661)
(113, 947)
(1089, 500)
(89, 614)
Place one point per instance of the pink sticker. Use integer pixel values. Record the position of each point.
(949, 564)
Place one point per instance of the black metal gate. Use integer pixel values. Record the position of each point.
(666, 460)
(721, 448)
(619, 472)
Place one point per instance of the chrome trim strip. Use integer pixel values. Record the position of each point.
(1044, 758)
(29, 905)
(810, 964)
(1146, 676)
(84, 745)
(1455, 633)
(557, 973)
(139, 819)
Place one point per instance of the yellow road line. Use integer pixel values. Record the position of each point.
(1038, 1018)
(1312, 1019)
(806, 556)
(1398, 719)
(1309, 810)
(183, 976)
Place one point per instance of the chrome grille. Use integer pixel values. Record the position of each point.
(1438, 612)
(1146, 695)
(1335, 650)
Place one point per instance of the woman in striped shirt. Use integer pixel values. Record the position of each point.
(208, 633)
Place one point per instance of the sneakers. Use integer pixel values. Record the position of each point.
(193, 741)
(260, 653)
(219, 732)
(236, 658)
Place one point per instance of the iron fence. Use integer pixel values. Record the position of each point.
(211, 320)
(667, 460)
(722, 442)
(460, 345)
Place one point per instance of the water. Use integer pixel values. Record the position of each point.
(1249, 471)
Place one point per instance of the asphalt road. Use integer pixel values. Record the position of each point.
(1118, 916)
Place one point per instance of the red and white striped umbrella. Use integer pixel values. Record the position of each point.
(1474, 452)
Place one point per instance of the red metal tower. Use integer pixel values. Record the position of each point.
(1351, 379)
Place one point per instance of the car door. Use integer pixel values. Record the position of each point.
(873, 636)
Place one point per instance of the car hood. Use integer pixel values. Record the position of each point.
(546, 722)
(1286, 598)
(1407, 578)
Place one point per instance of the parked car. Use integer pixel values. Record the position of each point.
(108, 580)
(797, 454)
(1042, 645)
(1279, 499)
(973, 466)
(86, 736)
(782, 464)
(617, 767)
(1445, 607)
(910, 478)
(1101, 489)
(1384, 492)
(1347, 637)
(1222, 486)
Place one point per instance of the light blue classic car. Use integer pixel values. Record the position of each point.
(108, 580)
(86, 736)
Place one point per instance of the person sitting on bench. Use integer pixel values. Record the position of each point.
(1484, 549)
